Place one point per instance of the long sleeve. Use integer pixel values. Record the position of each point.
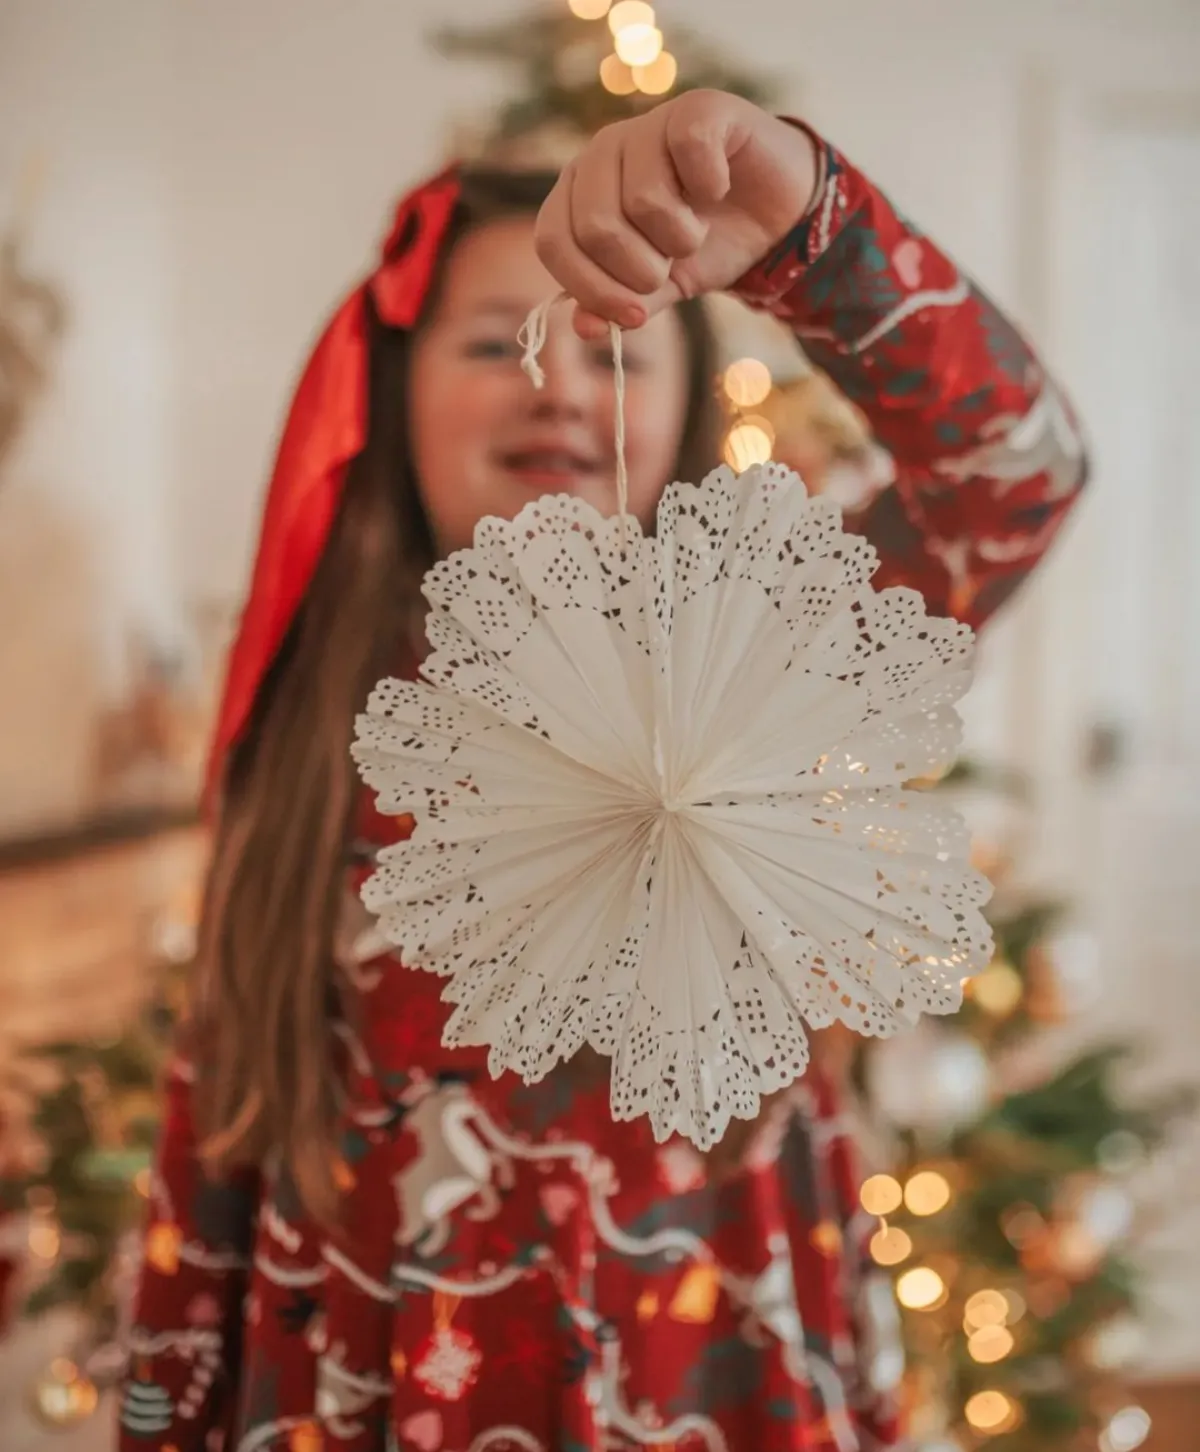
(184, 1342)
(988, 457)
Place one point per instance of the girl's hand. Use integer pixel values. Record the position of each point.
(672, 204)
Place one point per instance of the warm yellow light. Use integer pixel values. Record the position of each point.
(616, 77)
(658, 77)
(990, 1343)
(1077, 1250)
(990, 1411)
(747, 382)
(589, 9)
(1021, 1223)
(891, 1246)
(880, 1195)
(629, 12)
(927, 1193)
(747, 444)
(639, 45)
(141, 1183)
(920, 1289)
(998, 989)
(44, 1242)
(985, 1308)
(1016, 1305)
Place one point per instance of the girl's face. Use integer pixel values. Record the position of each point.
(485, 441)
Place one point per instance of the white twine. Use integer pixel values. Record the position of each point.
(532, 337)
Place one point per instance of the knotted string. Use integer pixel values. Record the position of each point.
(532, 337)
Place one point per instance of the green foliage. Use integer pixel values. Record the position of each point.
(553, 59)
(98, 1129)
(1023, 1174)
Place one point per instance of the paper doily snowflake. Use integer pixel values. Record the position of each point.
(658, 787)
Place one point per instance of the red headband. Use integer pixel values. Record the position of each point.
(326, 428)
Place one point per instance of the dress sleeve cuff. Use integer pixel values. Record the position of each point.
(779, 271)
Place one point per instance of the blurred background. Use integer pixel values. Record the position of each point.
(186, 188)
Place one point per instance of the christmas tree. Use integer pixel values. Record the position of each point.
(81, 1171)
(1007, 1213)
(576, 69)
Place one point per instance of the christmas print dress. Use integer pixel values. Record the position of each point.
(516, 1272)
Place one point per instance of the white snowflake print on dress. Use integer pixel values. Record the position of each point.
(449, 1365)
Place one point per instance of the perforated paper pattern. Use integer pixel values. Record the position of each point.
(660, 796)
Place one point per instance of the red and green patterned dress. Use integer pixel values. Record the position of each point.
(518, 1273)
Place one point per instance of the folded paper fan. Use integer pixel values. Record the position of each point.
(659, 788)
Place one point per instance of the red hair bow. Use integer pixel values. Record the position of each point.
(325, 429)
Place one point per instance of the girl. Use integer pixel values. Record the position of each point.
(357, 1240)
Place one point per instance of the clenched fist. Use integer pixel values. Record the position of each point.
(672, 204)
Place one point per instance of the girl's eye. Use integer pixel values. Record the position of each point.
(493, 348)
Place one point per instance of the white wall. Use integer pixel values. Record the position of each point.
(219, 171)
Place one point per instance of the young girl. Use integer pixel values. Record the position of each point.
(357, 1240)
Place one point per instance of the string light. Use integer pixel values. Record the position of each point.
(658, 77)
(1016, 1305)
(1077, 1250)
(45, 1241)
(639, 45)
(1128, 1429)
(990, 1411)
(890, 1246)
(880, 1195)
(1021, 1223)
(626, 13)
(920, 1289)
(927, 1193)
(589, 9)
(746, 444)
(616, 77)
(990, 1343)
(1120, 1151)
(998, 989)
(141, 1183)
(985, 1308)
(63, 1396)
(747, 382)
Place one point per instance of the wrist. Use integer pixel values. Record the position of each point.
(806, 153)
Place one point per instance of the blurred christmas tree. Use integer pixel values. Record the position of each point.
(81, 1172)
(1008, 1216)
(578, 67)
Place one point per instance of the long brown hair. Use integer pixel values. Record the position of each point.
(261, 1024)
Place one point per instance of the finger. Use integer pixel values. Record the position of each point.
(698, 145)
(573, 270)
(593, 327)
(598, 222)
(653, 200)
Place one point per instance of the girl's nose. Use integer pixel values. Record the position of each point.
(570, 386)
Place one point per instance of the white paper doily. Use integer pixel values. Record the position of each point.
(659, 796)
